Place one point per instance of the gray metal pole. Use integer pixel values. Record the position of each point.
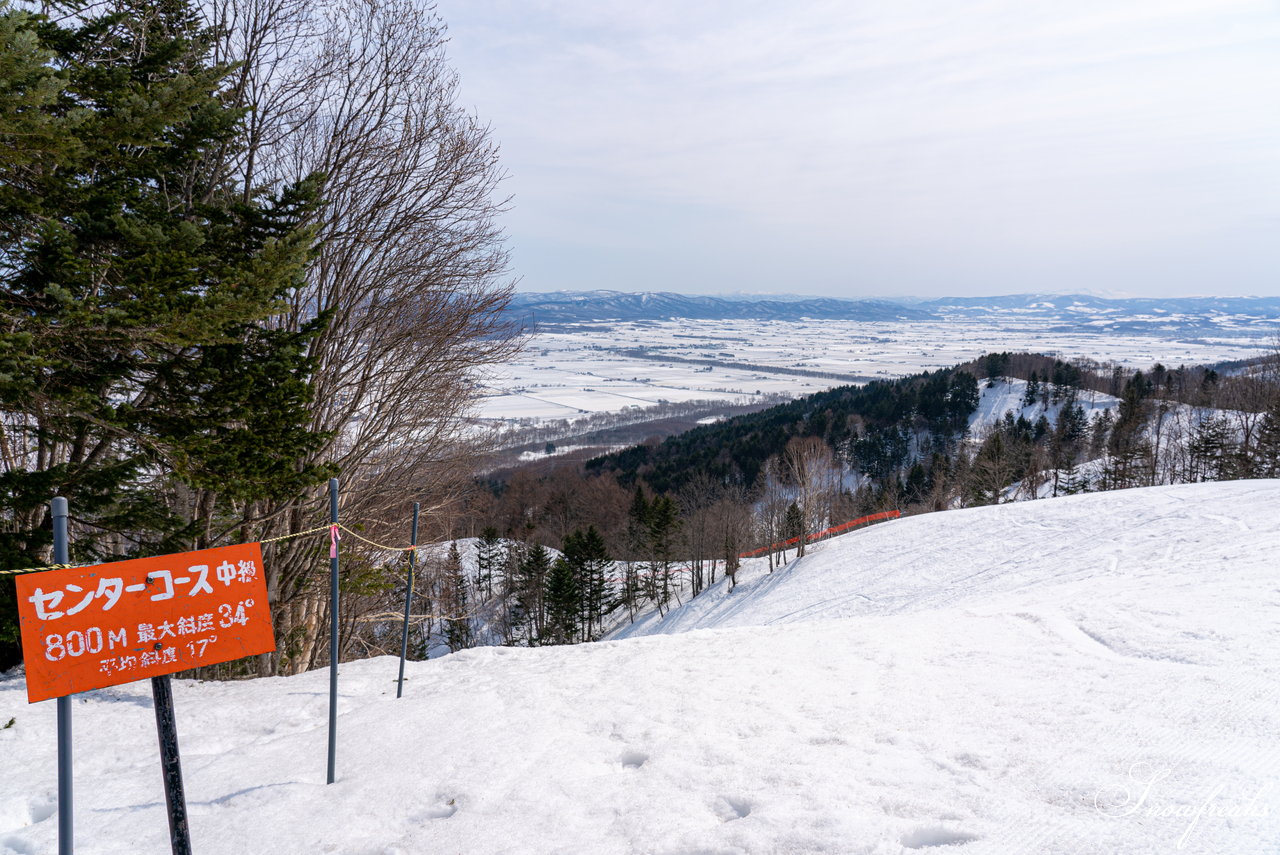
(66, 823)
(171, 766)
(408, 600)
(333, 632)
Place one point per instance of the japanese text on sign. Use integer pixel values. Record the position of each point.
(89, 627)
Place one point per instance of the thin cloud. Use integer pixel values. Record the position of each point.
(1029, 144)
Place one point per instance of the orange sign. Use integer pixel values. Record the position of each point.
(90, 627)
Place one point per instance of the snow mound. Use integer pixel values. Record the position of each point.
(1090, 674)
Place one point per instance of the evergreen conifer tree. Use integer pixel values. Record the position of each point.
(1208, 450)
(664, 526)
(588, 557)
(1267, 447)
(529, 591)
(1032, 395)
(488, 559)
(793, 523)
(457, 620)
(515, 618)
(563, 602)
(638, 544)
(917, 485)
(1100, 432)
(135, 363)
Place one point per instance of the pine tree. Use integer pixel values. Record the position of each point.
(134, 284)
(529, 590)
(1208, 449)
(917, 485)
(1040, 429)
(515, 617)
(1032, 395)
(1100, 433)
(638, 544)
(588, 558)
(1072, 482)
(1267, 447)
(664, 526)
(994, 468)
(995, 365)
(457, 618)
(563, 602)
(1068, 434)
(30, 130)
(1129, 450)
(793, 525)
(488, 559)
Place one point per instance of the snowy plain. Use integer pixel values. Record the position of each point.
(575, 370)
(1091, 674)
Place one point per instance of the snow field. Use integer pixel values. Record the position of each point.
(570, 371)
(1054, 677)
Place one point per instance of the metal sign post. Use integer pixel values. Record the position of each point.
(66, 824)
(170, 766)
(408, 600)
(333, 628)
(89, 627)
(106, 624)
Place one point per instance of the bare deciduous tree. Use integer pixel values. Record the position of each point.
(410, 274)
(812, 470)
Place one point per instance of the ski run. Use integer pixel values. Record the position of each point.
(1097, 673)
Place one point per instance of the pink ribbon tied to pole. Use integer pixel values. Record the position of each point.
(334, 537)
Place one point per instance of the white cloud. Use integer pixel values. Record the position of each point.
(904, 145)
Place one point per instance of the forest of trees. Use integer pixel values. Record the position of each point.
(670, 518)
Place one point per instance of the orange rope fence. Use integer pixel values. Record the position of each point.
(825, 533)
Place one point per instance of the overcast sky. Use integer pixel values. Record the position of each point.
(897, 147)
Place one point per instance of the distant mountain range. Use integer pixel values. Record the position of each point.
(1057, 311)
(1146, 315)
(564, 307)
(1090, 304)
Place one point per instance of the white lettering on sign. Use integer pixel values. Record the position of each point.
(72, 599)
(230, 617)
(197, 647)
(88, 627)
(76, 643)
(122, 664)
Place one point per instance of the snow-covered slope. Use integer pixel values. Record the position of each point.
(1006, 395)
(1115, 563)
(1093, 674)
(1169, 430)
